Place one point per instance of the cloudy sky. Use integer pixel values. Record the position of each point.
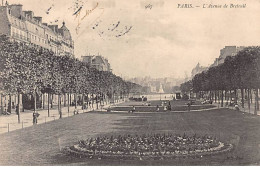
(152, 37)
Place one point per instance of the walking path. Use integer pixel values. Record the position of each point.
(10, 123)
(245, 109)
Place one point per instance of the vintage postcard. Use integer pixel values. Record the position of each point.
(129, 83)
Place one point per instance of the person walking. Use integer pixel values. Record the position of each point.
(133, 110)
(157, 108)
(188, 106)
(17, 109)
(35, 117)
(169, 106)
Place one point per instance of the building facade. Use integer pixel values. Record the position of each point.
(227, 51)
(98, 62)
(23, 26)
(198, 69)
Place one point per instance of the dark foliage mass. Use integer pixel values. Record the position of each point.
(239, 73)
(25, 69)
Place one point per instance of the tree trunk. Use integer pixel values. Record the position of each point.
(87, 100)
(230, 96)
(235, 91)
(18, 108)
(68, 103)
(35, 102)
(257, 100)
(248, 99)
(48, 104)
(83, 102)
(65, 101)
(251, 96)
(222, 97)
(59, 105)
(92, 100)
(51, 100)
(10, 104)
(218, 97)
(242, 100)
(2, 105)
(43, 101)
(70, 100)
(97, 101)
(75, 98)
(215, 96)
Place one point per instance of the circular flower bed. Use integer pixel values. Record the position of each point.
(146, 147)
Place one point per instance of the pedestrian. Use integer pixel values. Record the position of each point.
(35, 117)
(17, 109)
(9, 107)
(236, 107)
(165, 108)
(76, 111)
(188, 106)
(133, 110)
(157, 108)
(169, 106)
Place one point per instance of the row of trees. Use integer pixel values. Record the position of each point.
(238, 74)
(32, 71)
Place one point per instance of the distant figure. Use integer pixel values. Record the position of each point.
(6, 112)
(236, 107)
(165, 108)
(133, 110)
(169, 106)
(35, 117)
(13, 106)
(157, 108)
(188, 106)
(9, 107)
(17, 109)
(109, 109)
(76, 111)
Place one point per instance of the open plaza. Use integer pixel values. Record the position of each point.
(44, 144)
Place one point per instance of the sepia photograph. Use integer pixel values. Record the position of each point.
(129, 83)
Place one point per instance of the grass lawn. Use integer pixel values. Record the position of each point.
(177, 105)
(41, 144)
(153, 109)
(159, 102)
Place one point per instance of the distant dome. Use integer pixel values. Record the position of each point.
(65, 32)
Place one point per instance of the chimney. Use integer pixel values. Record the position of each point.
(16, 10)
(54, 28)
(39, 19)
(29, 14)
